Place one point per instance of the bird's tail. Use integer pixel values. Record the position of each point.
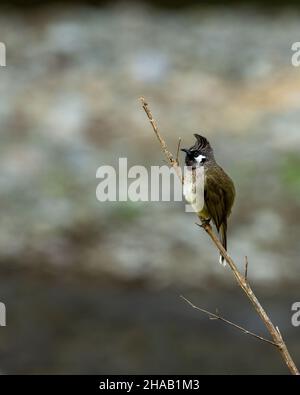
(223, 237)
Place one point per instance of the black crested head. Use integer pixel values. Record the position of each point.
(200, 153)
(201, 141)
(202, 144)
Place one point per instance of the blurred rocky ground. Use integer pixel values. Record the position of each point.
(69, 104)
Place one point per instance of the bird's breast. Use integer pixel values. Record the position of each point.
(193, 188)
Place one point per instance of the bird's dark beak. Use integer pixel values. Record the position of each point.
(184, 150)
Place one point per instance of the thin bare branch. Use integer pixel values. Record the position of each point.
(177, 153)
(218, 317)
(241, 280)
(162, 142)
(246, 268)
(253, 299)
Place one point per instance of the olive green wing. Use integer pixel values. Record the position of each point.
(229, 193)
(215, 201)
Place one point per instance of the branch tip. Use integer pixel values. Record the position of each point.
(213, 316)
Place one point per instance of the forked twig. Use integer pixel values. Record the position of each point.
(219, 317)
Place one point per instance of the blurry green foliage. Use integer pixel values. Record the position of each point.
(127, 211)
(290, 173)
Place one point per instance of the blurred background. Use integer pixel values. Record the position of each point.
(95, 287)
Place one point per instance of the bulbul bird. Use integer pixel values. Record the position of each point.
(217, 189)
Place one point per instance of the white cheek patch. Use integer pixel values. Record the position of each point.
(200, 158)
